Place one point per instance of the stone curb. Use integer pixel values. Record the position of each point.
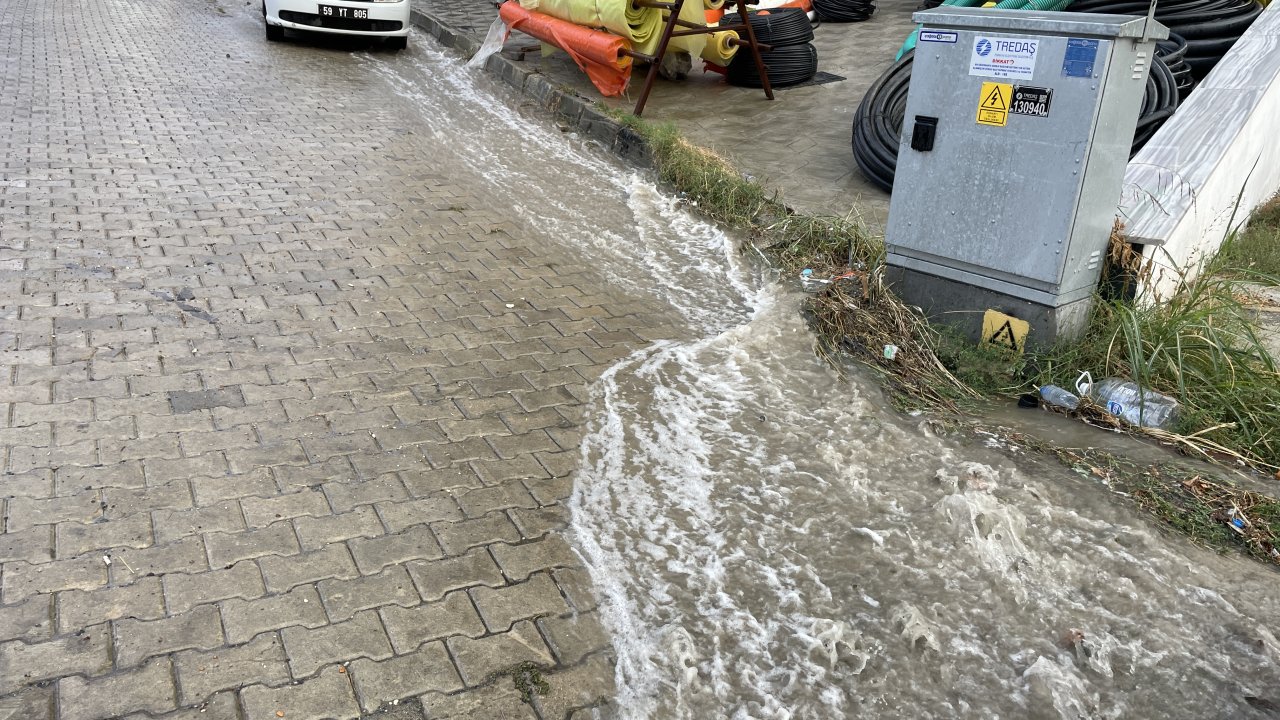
(562, 103)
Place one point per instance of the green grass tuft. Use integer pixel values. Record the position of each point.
(1255, 253)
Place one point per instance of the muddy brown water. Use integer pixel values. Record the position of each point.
(771, 540)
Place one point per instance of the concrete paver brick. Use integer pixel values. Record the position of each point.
(148, 689)
(30, 620)
(211, 490)
(499, 700)
(309, 649)
(33, 545)
(458, 537)
(398, 516)
(344, 496)
(539, 521)
(142, 600)
(415, 543)
(391, 586)
(161, 470)
(260, 512)
(26, 512)
(167, 494)
(272, 540)
(32, 703)
(480, 659)
(435, 578)
(137, 640)
(87, 653)
(500, 607)
(428, 669)
(520, 561)
(184, 591)
(410, 627)
(577, 586)
(283, 573)
(170, 525)
(185, 555)
(496, 472)
(22, 580)
(260, 661)
(548, 491)
(481, 501)
(327, 696)
(575, 636)
(71, 480)
(244, 619)
(74, 539)
(35, 484)
(589, 684)
(317, 532)
(222, 706)
(429, 482)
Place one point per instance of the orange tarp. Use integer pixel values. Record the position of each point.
(597, 53)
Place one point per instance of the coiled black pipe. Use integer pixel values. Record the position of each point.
(1209, 27)
(842, 11)
(877, 124)
(1174, 53)
(780, 27)
(786, 65)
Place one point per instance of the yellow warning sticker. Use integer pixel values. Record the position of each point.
(1004, 330)
(993, 104)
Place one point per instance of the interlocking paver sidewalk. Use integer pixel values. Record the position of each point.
(273, 440)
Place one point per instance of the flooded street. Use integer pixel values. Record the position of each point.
(337, 378)
(773, 541)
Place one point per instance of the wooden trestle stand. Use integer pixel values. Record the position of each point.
(746, 36)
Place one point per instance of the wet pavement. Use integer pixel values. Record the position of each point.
(291, 394)
(338, 384)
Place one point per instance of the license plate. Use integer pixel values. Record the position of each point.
(1033, 101)
(345, 13)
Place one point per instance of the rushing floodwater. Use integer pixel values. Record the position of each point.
(772, 541)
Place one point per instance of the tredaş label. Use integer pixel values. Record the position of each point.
(1003, 57)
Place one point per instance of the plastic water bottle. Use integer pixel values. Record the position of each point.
(1055, 395)
(1128, 401)
(810, 283)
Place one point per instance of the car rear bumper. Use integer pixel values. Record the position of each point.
(384, 19)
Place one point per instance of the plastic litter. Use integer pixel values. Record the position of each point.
(1058, 397)
(1129, 401)
(890, 352)
(810, 283)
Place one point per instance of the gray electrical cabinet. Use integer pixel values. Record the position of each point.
(1014, 145)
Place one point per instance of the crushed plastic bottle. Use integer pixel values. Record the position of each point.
(1128, 401)
(1055, 395)
(810, 283)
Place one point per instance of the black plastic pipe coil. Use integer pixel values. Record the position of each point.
(877, 125)
(792, 58)
(1209, 27)
(780, 27)
(786, 65)
(841, 11)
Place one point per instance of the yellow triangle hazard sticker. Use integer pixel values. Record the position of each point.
(996, 97)
(993, 104)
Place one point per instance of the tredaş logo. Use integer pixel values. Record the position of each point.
(984, 47)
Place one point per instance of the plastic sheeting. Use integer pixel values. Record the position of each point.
(721, 48)
(598, 54)
(642, 27)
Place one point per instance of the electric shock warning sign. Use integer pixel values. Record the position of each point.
(1003, 57)
(993, 104)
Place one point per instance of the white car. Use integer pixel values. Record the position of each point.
(373, 18)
